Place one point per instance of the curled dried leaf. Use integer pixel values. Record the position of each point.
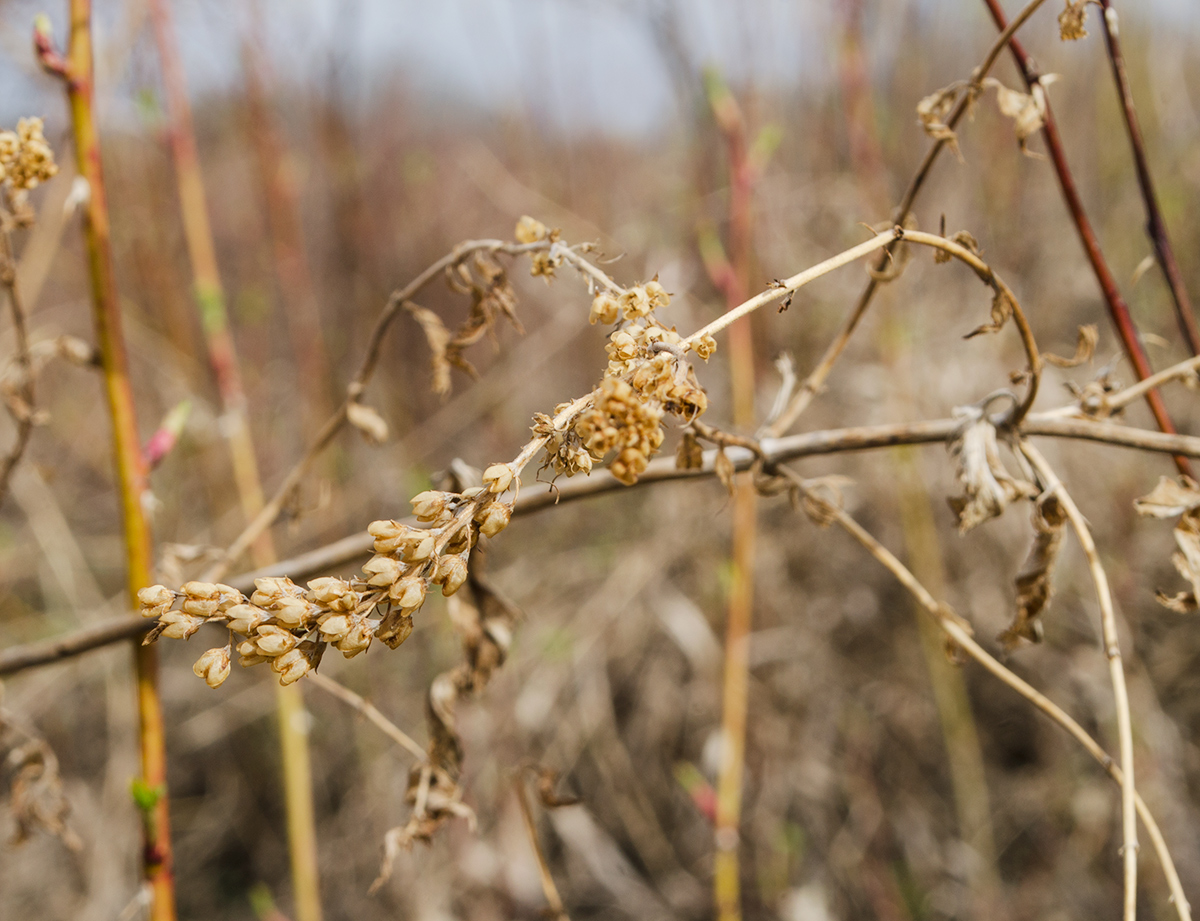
(1169, 498)
(367, 421)
(988, 487)
(438, 338)
(690, 454)
(1071, 20)
(932, 112)
(1027, 110)
(1085, 348)
(724, 469)
(1002, 309)
(1033, 582)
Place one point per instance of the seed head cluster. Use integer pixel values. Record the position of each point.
(647, 378)
(290, 627)
(26, 159)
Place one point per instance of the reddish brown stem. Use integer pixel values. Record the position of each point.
(1156, 227)
(1118, 310)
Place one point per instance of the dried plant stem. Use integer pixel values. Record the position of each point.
(1112, 650)
(76, 70)
(1156, 227)
(554, 901)
(370, 711)
(960, 633)
(660, 470)
(1117, 308)
(333, 425)
(812, 384)
(23, 412)
(788, 285)
(222, 355)
(1184, 370)
(732, 276)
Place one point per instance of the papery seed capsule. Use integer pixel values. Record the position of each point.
(270, 589)
(385, 529)
(705, 347)
(179, 625)
(416, 547)
(327, 588)
(409, 592)
(274, 641)
(335, 627)
(213, 667)
(450, 574)
(154, 596)
(493, 518)
(394, 629)
(357, 639)
(382, 570)
(291, 612)
(432, 505)
(200, 607)
(200, 590)
(657, 294)
(463, 540)
(605, 310)
(635, 303)
(246, 618)
(497, 478)
(530, 230)
(255, 658)
(291, 667)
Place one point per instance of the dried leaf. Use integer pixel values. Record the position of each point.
(547, 779)
(438, 338)
(367, 421)
(1071, 19)
(1183, 603)
(1187, 560)
(1002, 309)
(1033, 582)
(724, 469)
(690, 454)
(1085, 347)
(988, 487)
(1027, 110)
(1169, 498)
(932, 112)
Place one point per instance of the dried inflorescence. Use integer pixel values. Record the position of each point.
(26, 159)
(290, 627)
(647, 378)
(1171, 498)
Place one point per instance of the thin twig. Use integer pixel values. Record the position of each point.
(554, 901)
(661, 470)
(370, 711)
(1112, 649)
(1156, 227)
(1118, 310)
(1181, 371)
(960, 632)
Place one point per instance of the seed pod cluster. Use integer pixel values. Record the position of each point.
(26, 159)
(646, 379)
(289, 626)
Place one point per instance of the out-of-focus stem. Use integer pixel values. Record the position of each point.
(733, 278)
(222, 354)
(1118, 310)
(76, 69)
(1156, 227)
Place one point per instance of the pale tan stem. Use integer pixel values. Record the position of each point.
(369, 710)
(1112, 649)
(1181, 371)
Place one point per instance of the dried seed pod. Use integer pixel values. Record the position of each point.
(200, 607)
(462, 540)
(494, 517)
(530, 230)
(357, 638)
(200, 590)
(395, 628)
(635, 303)
(246, 618)
(605, 309)
(705, 347)
(327, 589)
(657, 294)
(408, 592)
(155, 595)
(335, 627)
(270, 589)
(273, 641)
(214, 666)
(179, 625)
(450, 574)
(433, 505)
(291, 612)
(497, 478)
(416, 546)
(382, 571)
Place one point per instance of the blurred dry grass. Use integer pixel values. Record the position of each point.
(614, 679)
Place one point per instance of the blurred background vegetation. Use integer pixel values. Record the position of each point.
(395, 130)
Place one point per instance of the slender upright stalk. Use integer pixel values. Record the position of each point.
(1118, 310)
(222, 354)
(732, 276)
(1156, 227)
(76, 70)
